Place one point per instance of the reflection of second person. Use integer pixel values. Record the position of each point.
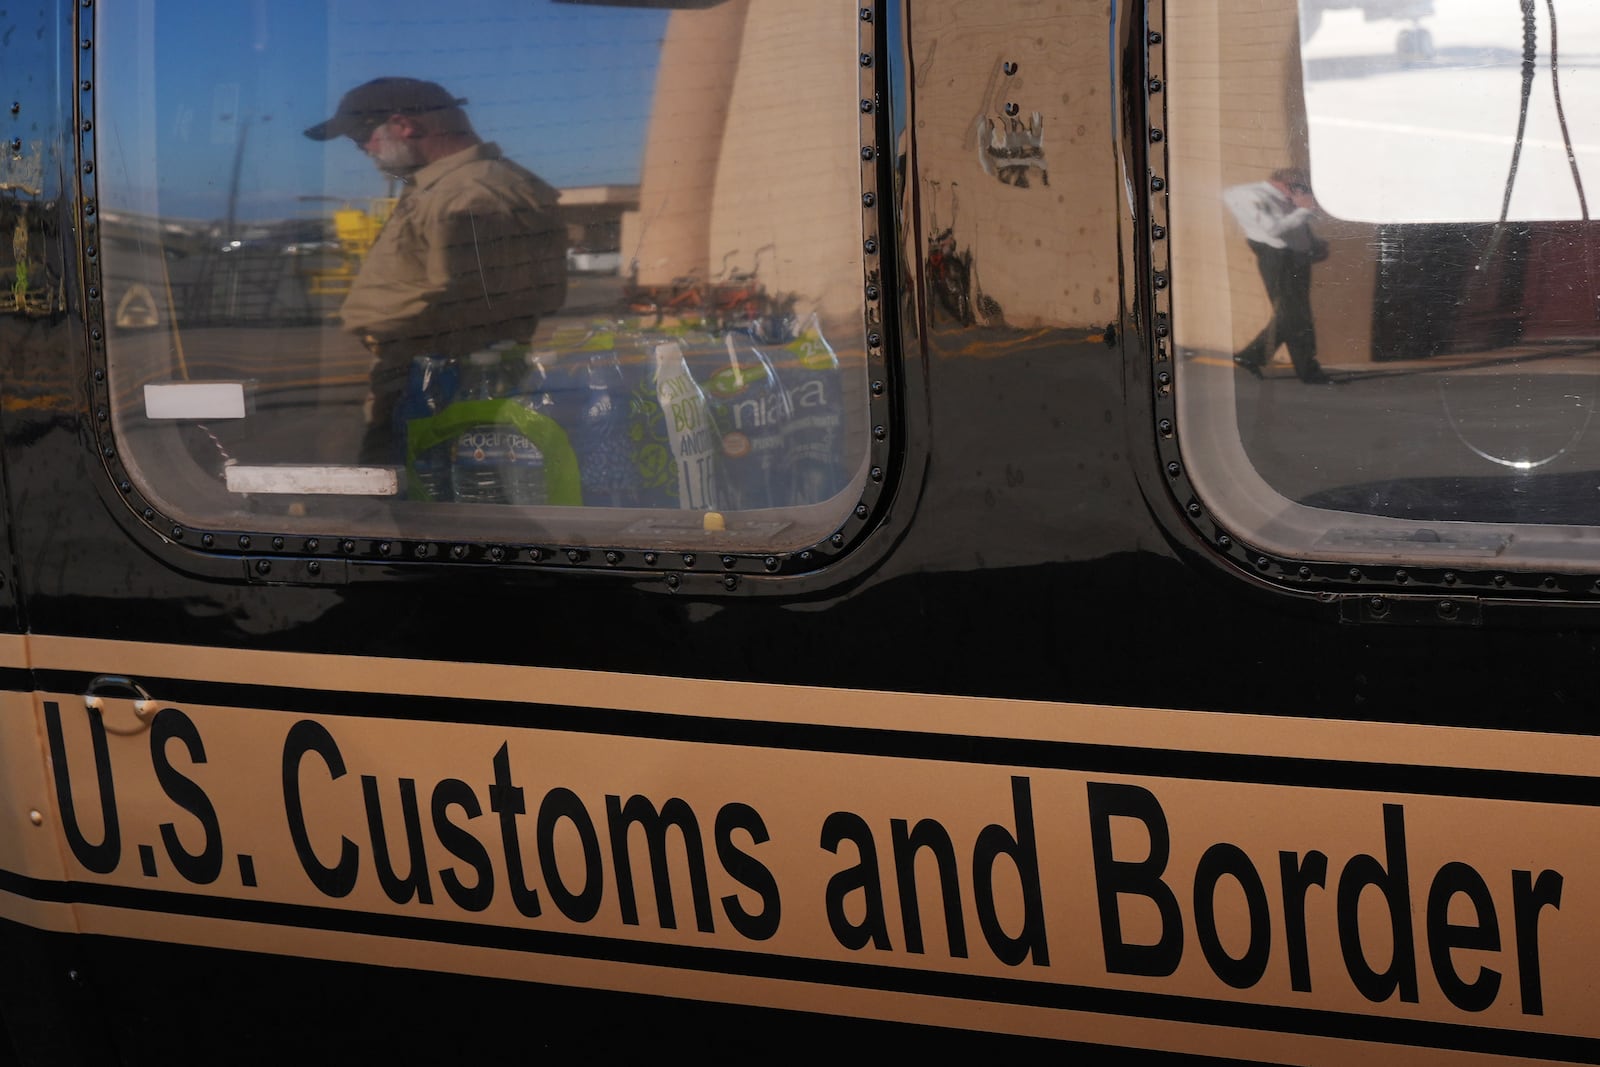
(1276, 217)
(473, 253)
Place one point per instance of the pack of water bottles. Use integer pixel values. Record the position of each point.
(626, 418)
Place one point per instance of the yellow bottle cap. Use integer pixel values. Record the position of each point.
(714, 522)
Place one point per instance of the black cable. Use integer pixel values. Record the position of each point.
(1530, 54)
(1561, 115)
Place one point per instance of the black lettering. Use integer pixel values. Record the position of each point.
(454, 793)
(747, 871)
(1444, 935)
(204, 867)
(1297, 878)
(993, 842)
(931, 836)
(1529, 896)
(873, 928)
(307, 736)
(1394, 884)
(675, 812)
(584, 905)
(505, 799)
(1141, 878)
(415, 883)
(101, 858)
(1220, 861)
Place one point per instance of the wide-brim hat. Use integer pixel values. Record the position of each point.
(366, 106)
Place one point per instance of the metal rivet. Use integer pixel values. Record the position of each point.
(1549, 583)
(771, 563)
(99, 375)
(1155, 85)
(866, 107)
(87, 126)
(1155, 37)
(88, 167)
(108, 451)
(1262, 563)
(36, 817)
(730, 582)
(1378, 606)
(86, 85)
(95, 334)
(86, 43)
(688, 559)
(1157, 184)
(837, 540)
(729, 561)
(1164, 378)
(1158, 231)
(1160, 281)
(244, 540)
(125, 486)
(148, 513)
(1449, 577)
(613, 558)
(1224, 542)
(16, 144)
(458, 551)
(91, 251)
(263, 566)
(1164, 426)
(867, 199)
(1355, 574)
(100, 414)
(1401, 577)
(1194, 508)
(1011, 108)
(1500, 579)
(314, 567)
(94, 294)
(650, 559)
(879, 433)
(1156, 136)
(876, 474)
(1009, 67)
(1173, 469)
(872, 292)
(15, 107)
(207, 540)
(672, 581)
(421, 551)
(866, 60)
(312, 544)
(574, 556)
(877, 388)
(874, 339)
(347, 545)
(497, 553)
(1304, 572)
(866, 14)
(861, 511)
(1447, 609)
(177, 533)
(805, 557)
(870, 246)
(536, 554)
(277, 543)
(867, 152)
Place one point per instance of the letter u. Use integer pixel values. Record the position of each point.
(101, 858)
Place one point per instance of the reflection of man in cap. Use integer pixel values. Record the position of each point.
(474, 252)
(1276, 217)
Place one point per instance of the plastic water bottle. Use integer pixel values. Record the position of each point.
(430, 387)
(751, 412)
(815, 434)
(690, 433)
(491, 461)
(600, 433)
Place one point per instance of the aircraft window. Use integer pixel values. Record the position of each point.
(1382, 277)
(567, 271)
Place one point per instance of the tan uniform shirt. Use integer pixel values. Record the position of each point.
(473, 253)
